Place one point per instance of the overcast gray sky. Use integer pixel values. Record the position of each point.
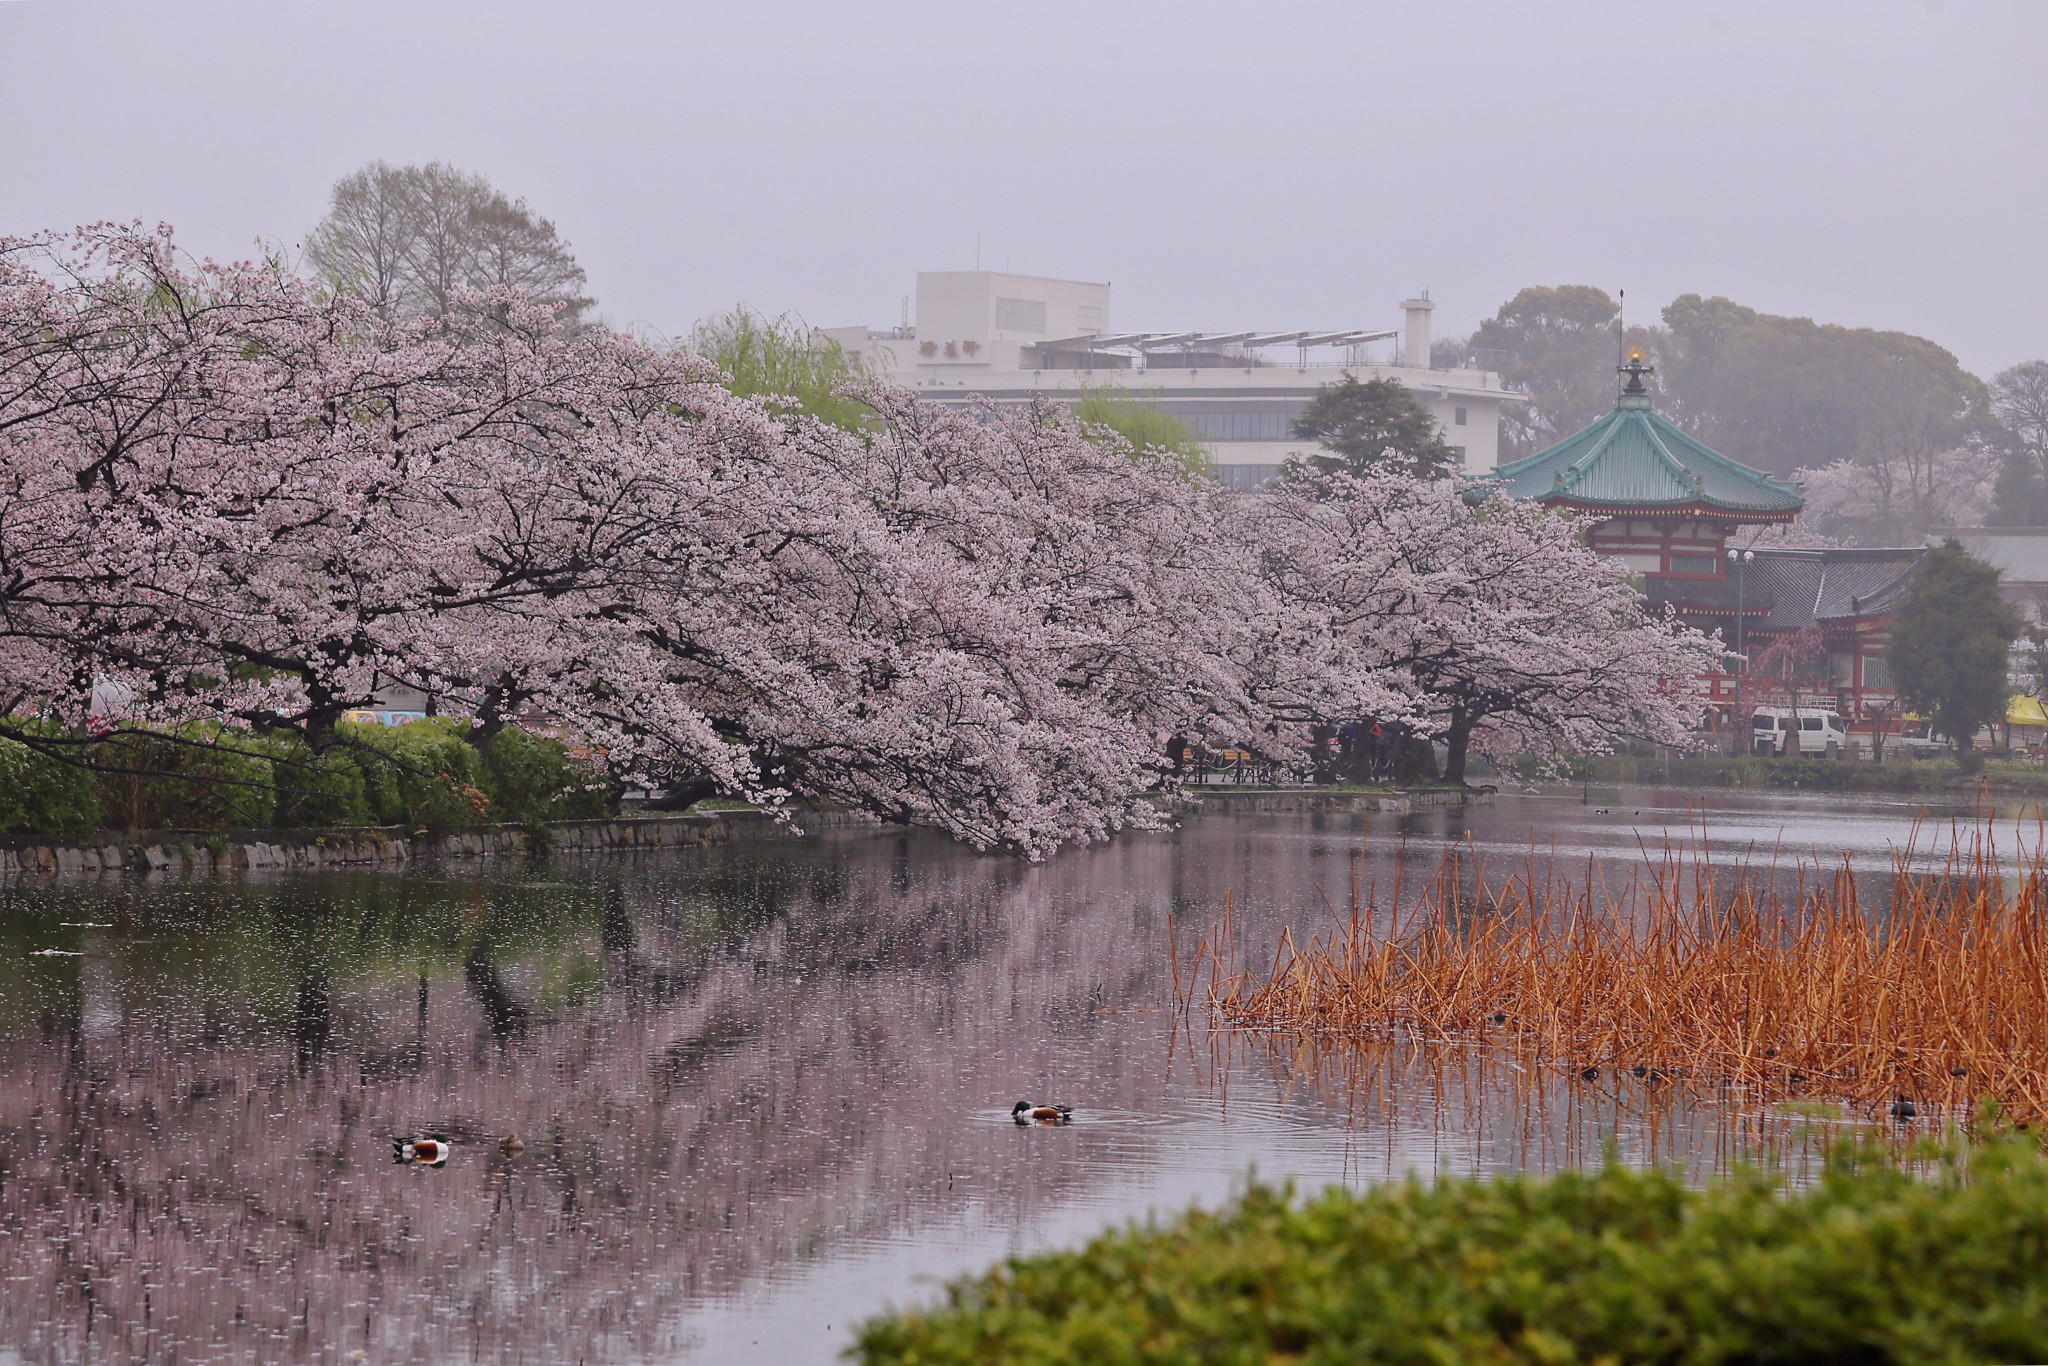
(1225, 165)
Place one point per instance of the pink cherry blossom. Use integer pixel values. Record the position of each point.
(225, 493)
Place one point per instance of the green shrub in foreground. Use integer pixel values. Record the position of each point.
(316, 790)
(1872, 1264)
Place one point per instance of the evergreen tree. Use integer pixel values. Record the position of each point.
(1557, 346)
(1949, 642)
(1370, 427)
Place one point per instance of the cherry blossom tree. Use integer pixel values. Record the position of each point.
(1551, 649)
(955, 624)
(228, 494)
(1491, 625)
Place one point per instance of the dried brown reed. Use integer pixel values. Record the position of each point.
(1773, 984)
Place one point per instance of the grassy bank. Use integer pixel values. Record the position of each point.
(1930, 776)
(1872, 1263)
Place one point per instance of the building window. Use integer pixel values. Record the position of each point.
(1876, 672)
(1246, 478)
(1458, 416)
(1236, 424)
(1695, 564)
(1020, 315)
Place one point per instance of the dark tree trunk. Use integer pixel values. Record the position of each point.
(1351, 758)
(683, 796)
(1457, 741)
(1322, 770)
(1414, 759)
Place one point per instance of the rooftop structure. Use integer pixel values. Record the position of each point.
(1011, 338)
(1666, 505)
(1831, 588)
(1632, 460)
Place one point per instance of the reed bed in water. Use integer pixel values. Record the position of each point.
(1778, 984)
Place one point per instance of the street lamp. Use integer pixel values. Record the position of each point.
(1738, 560)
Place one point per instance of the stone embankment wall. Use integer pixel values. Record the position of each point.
(1311, 799)
(205, 851)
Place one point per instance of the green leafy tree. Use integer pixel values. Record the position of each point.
(1371, 426)
(785, 359)
(533, 780)
(41, 795)
(425, 776)
(1785, 394)
(1555, 344)
(1146, 427)
(1949, 641)
(2019, 413)
(1902, 431)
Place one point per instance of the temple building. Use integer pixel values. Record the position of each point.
(1669, 507)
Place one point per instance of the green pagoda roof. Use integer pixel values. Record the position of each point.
(1632, 460)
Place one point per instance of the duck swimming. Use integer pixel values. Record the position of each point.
(1024, 1112)
(430, 1151)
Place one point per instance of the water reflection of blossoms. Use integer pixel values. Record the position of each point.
(196, 1130)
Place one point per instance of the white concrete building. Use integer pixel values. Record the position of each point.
(985, 333)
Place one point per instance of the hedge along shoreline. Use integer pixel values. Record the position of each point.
(425, 777)
(1872, 1263)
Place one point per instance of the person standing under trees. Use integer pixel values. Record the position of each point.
(1949, 645)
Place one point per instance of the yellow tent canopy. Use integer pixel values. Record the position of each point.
(2023, 710)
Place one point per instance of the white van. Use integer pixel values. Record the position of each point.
(1822, 734)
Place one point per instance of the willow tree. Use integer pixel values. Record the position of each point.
(1145, 426)
(786, 362)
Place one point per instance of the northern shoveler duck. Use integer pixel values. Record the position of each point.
(1024, 1112)
(428, 1151)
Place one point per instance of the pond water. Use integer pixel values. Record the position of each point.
(759, 1091)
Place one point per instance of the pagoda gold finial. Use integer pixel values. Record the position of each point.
(1635, 370)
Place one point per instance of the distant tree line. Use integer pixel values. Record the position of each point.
(1892, 436)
